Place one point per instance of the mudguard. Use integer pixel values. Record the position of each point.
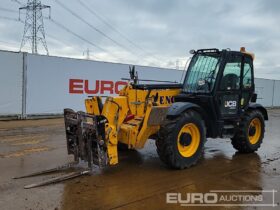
(177, 108)
(259, 107)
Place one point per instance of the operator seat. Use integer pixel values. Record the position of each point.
(230, 82)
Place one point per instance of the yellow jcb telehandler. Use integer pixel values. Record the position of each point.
(217, 99)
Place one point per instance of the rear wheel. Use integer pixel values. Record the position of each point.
(250, 133)
(181, 140)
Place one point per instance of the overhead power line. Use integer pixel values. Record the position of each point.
(18, 2)
(63, 42)
(67, 30)
(75, 34)
(8, 10)
(114, 28)
(106, 23)
(12, 19)
(151, 56)
(80, 37)
(91, 26)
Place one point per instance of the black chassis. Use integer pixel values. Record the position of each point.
(208, 105)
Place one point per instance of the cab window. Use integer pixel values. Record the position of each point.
(231, 74)
(247, 75)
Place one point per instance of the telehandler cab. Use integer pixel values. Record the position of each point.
(216, 99)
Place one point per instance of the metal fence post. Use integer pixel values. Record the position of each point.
(24, 85)
(273, 89)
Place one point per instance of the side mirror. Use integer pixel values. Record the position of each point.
(254, 98)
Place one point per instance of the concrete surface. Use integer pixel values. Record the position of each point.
(140, 181)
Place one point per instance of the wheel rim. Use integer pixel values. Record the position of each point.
(254, 135)
(191, 130)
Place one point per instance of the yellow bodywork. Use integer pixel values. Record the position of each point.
(132, 117)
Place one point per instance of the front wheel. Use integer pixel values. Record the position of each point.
(181, 140)
(250, 133)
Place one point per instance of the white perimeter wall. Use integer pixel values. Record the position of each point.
(264, 89)
(276, 97)
(54, 83)
(11, 75)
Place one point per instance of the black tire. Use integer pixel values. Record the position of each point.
(167, 146)
(241, 140)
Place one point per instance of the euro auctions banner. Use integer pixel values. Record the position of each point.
(55, 83)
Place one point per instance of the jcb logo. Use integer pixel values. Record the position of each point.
(230, 104)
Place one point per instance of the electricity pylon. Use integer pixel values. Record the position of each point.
(34, 31)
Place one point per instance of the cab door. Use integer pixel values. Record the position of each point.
(247, 82)
(229, 89)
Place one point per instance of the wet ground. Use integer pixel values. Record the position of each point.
(140, 181)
